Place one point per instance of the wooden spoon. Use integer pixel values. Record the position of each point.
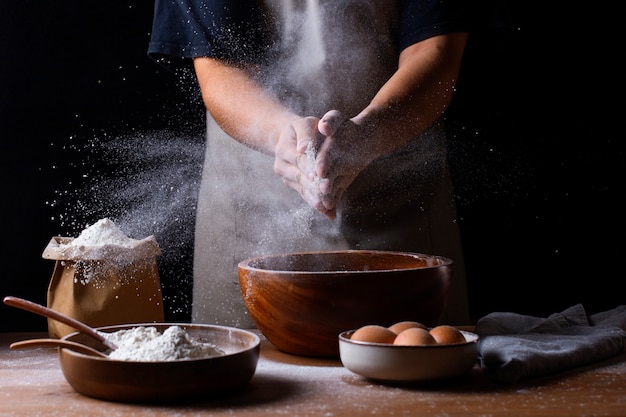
(55, 315)
(78, 347)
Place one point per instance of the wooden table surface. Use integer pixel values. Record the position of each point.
(32, 384)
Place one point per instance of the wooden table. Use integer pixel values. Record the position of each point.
(32, 384)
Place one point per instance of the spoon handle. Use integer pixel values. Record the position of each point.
(36, 343)
(55, 315)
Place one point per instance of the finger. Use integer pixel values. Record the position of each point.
(310, 194)
(331, 200)
(287, 169)
(317, 203)
(330, 122)
(323, 184)
(292, 180)
(325, 160)
(330, 214)
(295, 178)
(305, 130)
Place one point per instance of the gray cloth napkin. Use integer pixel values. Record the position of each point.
(514, 346)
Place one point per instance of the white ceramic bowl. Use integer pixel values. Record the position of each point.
(392, 363)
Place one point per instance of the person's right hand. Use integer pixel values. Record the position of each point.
(294, 161)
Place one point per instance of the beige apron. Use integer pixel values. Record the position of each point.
(403, 201)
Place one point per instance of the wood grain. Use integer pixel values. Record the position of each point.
(31, 383)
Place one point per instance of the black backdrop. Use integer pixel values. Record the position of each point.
(537, 148)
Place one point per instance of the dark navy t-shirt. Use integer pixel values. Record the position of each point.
(238, 30)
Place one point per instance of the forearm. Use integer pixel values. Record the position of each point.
(415, 96)
(242, 108)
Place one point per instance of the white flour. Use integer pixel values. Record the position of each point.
(103, 232)
(100, 248)
(311, 155)
(106, 244)
(146, 344)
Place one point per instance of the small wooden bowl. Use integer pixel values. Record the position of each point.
(302, 301)
(152, 382)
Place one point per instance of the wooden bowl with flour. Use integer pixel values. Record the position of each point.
(152, 381)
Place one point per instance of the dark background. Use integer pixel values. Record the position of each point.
(537, 149)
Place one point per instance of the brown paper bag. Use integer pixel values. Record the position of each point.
(108, 287)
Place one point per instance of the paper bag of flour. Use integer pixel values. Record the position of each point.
(103, 278)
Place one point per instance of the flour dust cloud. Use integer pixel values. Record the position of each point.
(147, 183)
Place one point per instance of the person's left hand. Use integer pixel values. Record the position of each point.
(341, 156)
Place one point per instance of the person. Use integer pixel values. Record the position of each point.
(324, 132)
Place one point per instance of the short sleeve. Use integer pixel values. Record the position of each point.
(227, 29)
(422, 19)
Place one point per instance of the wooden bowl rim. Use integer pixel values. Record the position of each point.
(246, 264)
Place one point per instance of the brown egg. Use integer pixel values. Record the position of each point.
(414, 336)
(374, 334)
(398, 327)
(445, 335)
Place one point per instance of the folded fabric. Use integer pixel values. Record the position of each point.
(514, 346)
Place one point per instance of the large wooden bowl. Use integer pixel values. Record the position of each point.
(302, 301)
(130, 381)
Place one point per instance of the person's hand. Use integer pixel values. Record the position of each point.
(320, 158)
(341, 156)
(294, 161)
